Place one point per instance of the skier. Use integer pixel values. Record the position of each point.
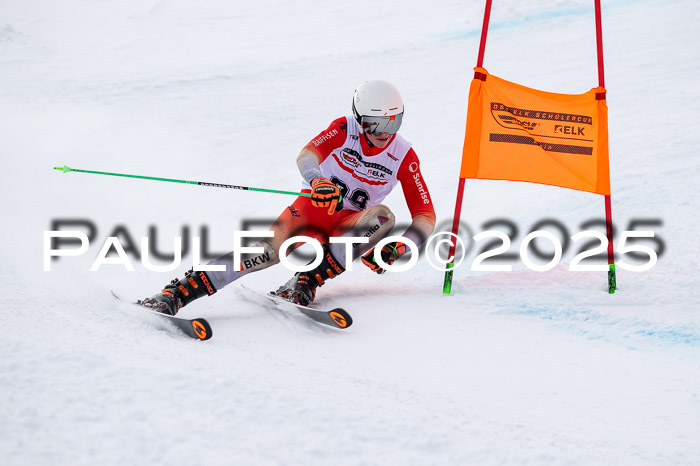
(349, 169)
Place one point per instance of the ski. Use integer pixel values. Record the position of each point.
(199, 328)
(337, 317)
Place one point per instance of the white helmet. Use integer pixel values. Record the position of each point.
(378, 107)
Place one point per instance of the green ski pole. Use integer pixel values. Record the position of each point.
(67, 169)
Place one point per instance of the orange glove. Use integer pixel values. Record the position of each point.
(390, 252)
(325, 193)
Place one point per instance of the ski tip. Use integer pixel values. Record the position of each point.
(117, 296)
(341, 317)
(201, 328)
(64, 169)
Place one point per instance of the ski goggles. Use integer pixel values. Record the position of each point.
(381, 124)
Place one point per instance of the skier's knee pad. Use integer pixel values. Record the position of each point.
(374, 224)
(380, 210)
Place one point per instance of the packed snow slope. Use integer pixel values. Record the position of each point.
(518, 367)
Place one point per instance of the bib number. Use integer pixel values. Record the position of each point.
(359, 197)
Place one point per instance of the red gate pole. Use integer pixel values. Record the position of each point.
(484, 31)
(612, 280)
(447, 285)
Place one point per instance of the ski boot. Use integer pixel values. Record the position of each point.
(179, 293)
(301, 288)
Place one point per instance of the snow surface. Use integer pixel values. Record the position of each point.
(513, 368)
